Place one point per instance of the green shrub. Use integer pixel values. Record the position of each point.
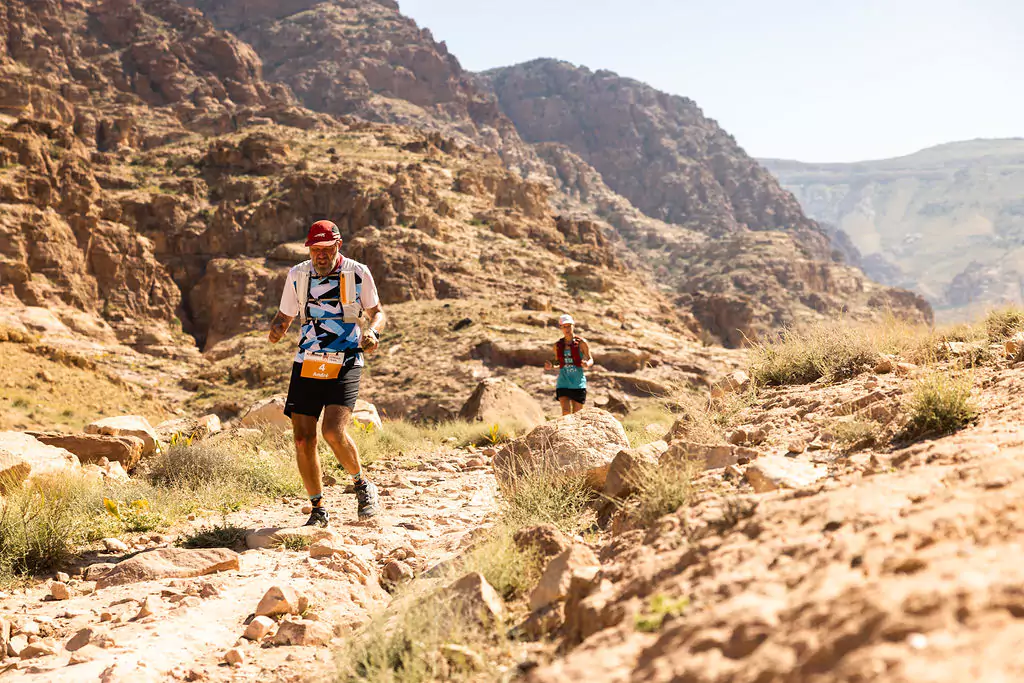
(940, 404)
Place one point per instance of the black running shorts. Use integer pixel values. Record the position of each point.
(578, 395)
(308, 396)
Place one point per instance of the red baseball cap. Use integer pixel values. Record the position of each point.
(323, 233)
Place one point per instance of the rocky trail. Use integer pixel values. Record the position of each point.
(181, 628)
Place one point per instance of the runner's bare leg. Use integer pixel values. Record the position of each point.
(335, 431)
(576, 407)
(304, 429)
(566, 404)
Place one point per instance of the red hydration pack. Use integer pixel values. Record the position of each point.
(574, 349)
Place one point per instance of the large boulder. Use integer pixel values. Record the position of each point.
(127, 425)
(366, 414)
(170, 563)
(23, 456)
(497, 398)
(268, 411)
(577, 560)
(93, 448)
(629, 465)
(582, 443)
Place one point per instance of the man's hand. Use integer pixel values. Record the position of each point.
(278, 327)
(548, 365)
(370, 340)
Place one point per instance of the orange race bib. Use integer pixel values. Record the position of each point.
(322, 365)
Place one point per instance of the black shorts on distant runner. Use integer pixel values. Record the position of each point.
(577, 395)
(308, 396)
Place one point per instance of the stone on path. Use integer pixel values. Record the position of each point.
(115, 545)
(91, 449)
(40, 648)
(303, 632)
(167, 563)
(473, 597)
(498, 399)
(773, 472)
(584, 443)
(269, 411)
(147, 607)
(578, 560)
(234, 657)
(272, 537)
(127, 425)
(23, 457)
(90, 635)
(281, 600)
(60, 591)
(258, 628)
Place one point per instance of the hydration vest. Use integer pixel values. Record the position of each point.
(351, 309)
(574, 349)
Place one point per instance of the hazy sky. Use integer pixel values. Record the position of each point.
(814, 80)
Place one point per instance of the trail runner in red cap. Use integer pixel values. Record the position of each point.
(330, 294)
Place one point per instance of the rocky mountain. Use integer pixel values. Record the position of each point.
(947, 222)
(160, 159)
(705, 199)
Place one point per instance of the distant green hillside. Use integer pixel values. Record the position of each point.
(947, 221)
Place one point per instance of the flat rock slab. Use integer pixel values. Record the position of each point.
(127, 425)
(92, 448)
(170, 563)
(774, 472)
(272, 537)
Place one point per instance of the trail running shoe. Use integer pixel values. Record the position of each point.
(320, 517)
(369, 504)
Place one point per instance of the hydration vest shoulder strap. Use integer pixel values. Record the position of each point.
(302, 291)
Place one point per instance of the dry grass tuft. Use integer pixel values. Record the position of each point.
(854, 434)
(1002, 324)
(663, 488)
(833, 351)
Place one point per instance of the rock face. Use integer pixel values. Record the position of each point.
(657, 150)
(22, 457)
(660, 153)
(584, 443)
(167, 563)
(497, 399)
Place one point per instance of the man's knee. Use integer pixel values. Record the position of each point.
(304, 430)
(336, 420)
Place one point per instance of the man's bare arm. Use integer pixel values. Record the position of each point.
(279, 326)
(377, 318)
(377, 321)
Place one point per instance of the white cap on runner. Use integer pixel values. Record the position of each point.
(566, 319)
